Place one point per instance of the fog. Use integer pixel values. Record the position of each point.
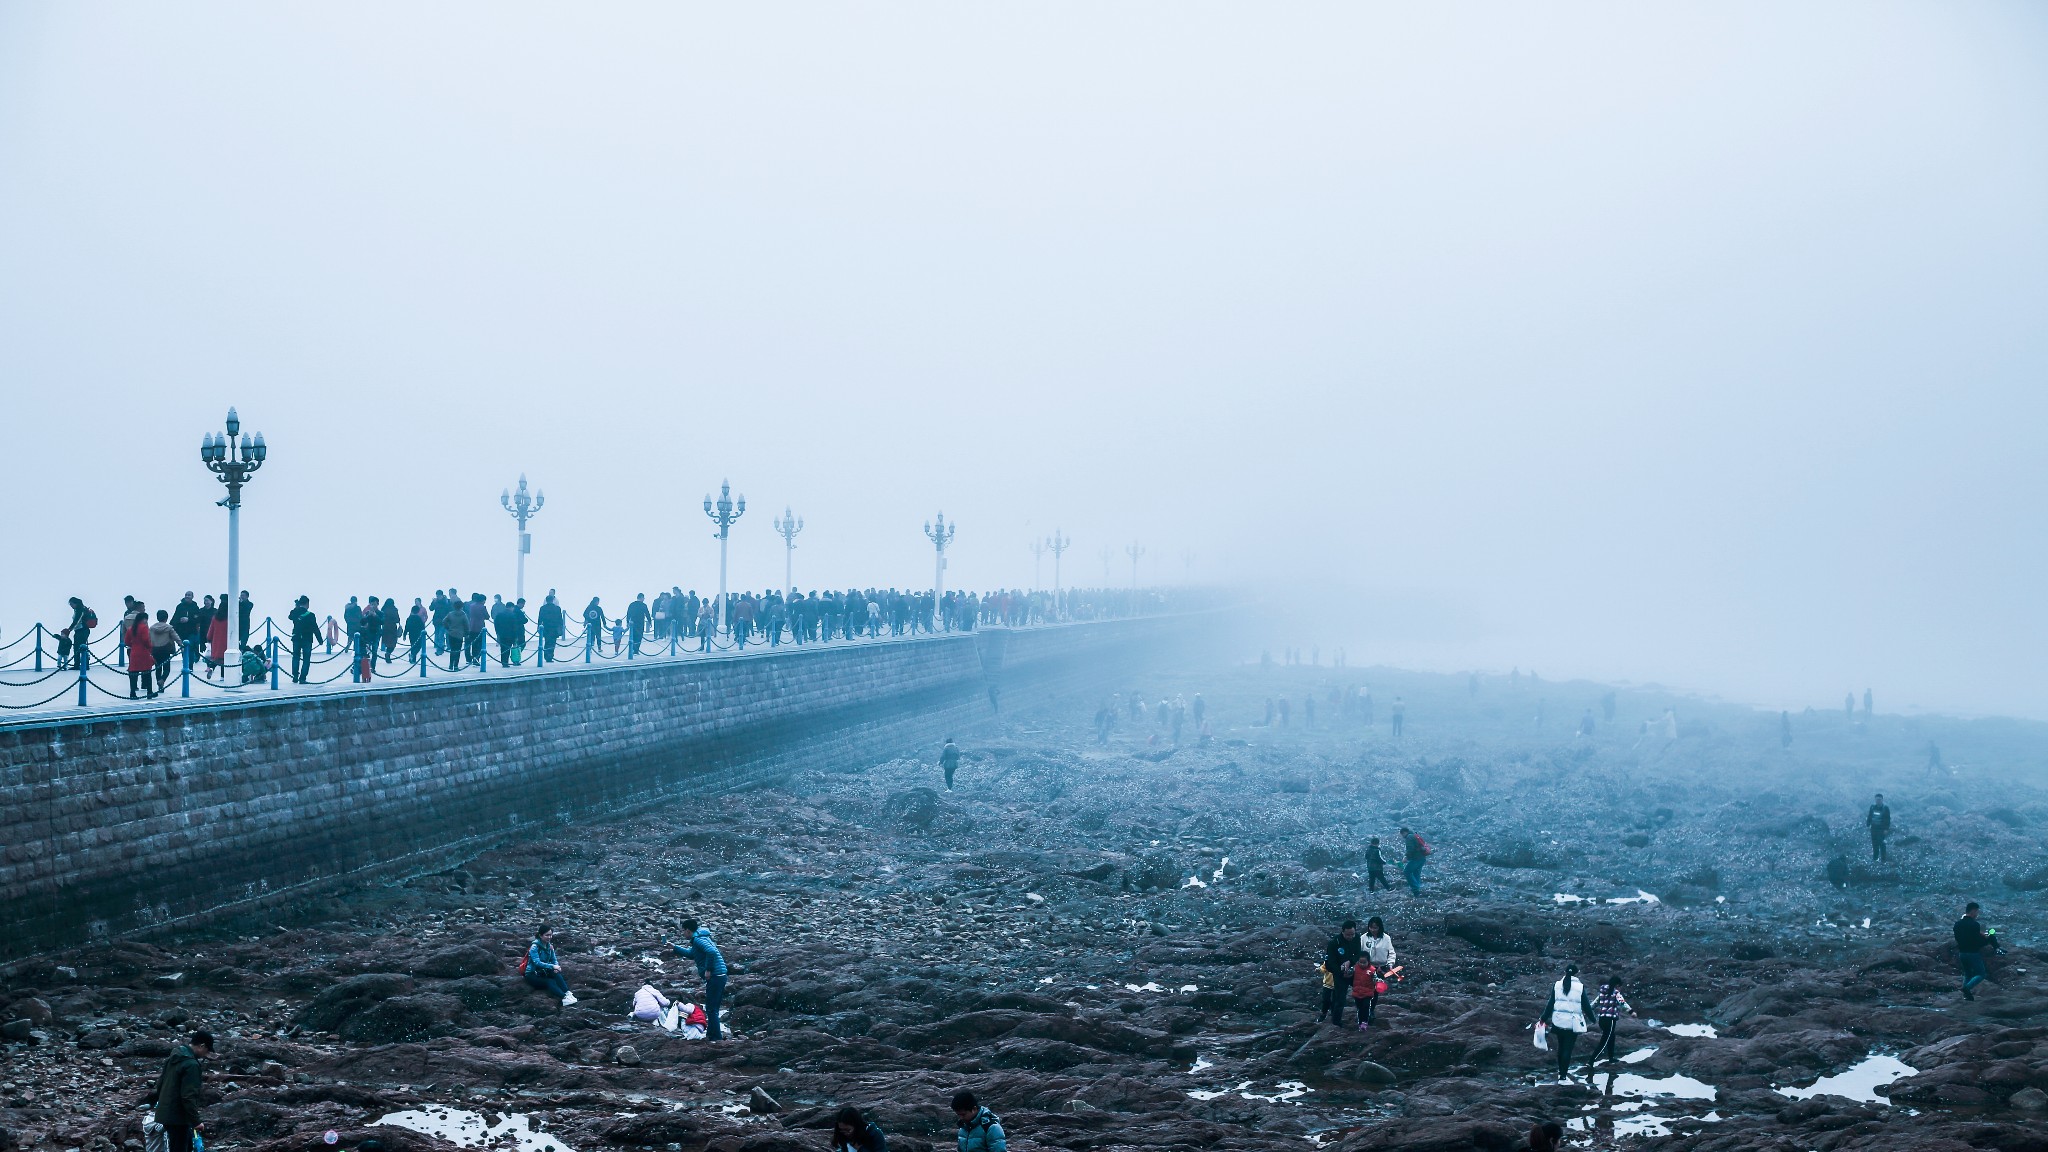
(1698, 344)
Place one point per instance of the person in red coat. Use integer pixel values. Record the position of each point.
(217, 638)
(141, 661)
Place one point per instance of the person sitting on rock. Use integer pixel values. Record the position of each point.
(649, 1004)
(1339, 955)
(1608, 1006)
(703, 952)
(544, 969)
(1972, 941)
(980, 1130)
(1567, 1011)
(853, 1132)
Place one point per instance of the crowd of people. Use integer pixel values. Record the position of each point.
(217, 638)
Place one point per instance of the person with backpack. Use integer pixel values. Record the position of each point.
(1565, 1014)
(853, 1132)
(1339, 957)
(1417, 851)
(703, 952)
(74, 637)
(980, 1129)
(543, 969)
(1608, 1006)
(1376, 868)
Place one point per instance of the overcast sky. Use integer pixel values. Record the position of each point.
(1692, 343)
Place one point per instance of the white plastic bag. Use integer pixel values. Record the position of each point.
(1542, 1040)
(154, 1138)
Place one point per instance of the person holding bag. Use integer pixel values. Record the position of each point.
(1566, 1014)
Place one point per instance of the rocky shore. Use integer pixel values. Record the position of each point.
(1114, 946)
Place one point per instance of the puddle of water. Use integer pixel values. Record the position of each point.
(1218, 875)
(1645, 1126)
(471, 1130)
(1566, 898)
(1706, 1030)
(1208, 1094)
(1202, 1062)
(1288, 1090)
(1193, 882)
(1641, 897)
(1681, 1087)
(1639, 1055)
(1859, 1083)
(1147, 986)
(1191, 988)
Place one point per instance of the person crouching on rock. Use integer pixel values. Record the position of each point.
(1608, 1006)
(1339, 955)
(1566, 1012)
(1369, 977)
(649, 1004)
(703, 952)
(980, 1130)
(544, 969)
(853, 1132)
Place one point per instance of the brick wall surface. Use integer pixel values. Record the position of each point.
(120, 823)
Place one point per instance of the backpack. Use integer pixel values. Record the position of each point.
(92, 619)
(522, 965)
(1424, 845)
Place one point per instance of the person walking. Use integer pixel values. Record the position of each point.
(1878, 818)
(544, 968)
(593, 627)
(1972, 941)
(1376, 868)
(703, 952)
(73, 640)
(949, 759)
(416, 634)
(1339, 957)
(478, 621)
(305, 633)
(246, 608)
(636, 624)
(1566, 1012)
(1370, 974)
(163, 642)
(1417, 851)
(1398, 711)
(455, 623)
(1609, 1005)
(141, 662)
(553, 623)
(368, 629)
(177, 1097)
(980, 1129)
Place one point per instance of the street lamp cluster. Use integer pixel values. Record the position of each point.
(235, 460)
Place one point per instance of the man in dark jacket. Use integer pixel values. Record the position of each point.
(1339, 955)
(188, 623)
(177, 1092)
(305, 633)
(553, 622)
(636, 624)
(1879, 820)
(246, 607)
(1972, 941)
(479, 618)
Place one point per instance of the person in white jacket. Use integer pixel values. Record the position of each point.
(649, 1004)
(1566, 1012)
(1375, 963)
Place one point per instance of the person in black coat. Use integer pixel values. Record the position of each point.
(176, 1099)
(853, 1132)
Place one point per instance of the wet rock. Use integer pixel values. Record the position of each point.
(16, 1029)
(1492, 934)
(100, 1038)
(462, 960)
(1369, 1072)
(916, 808)
(402, 1018)
(356, 994)
(2029, 1100)
(169, 980)
(627, 1055)
(33, 1009)
(760, 1103)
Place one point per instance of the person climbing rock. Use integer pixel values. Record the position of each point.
(949, 759)
(1339, 955)
(1376, 868)
(178, 1089)
(1566, 1012)
(980, 1129)
(703, 952)
(1972, 941)
(853, 1132)
(1608, 1007)
(544, 968)
(1417, 850)
(1879, 820)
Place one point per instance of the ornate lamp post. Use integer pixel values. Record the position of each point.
(787, 528)
(233, 462)
(1134, 550)
(1038, 550)
(1057, 544)
(723, 514)
(940, 537)
(523, 508)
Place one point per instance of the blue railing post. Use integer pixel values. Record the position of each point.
(273, 659)
(671, 641)
(589, 638)
(84, 654)
(355, 657)
(185, 673)
(483, 661)
(424, 661)
(39, 646)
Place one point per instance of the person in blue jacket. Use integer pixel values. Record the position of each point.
(703, 952)
(980, 1129)
(544, 968)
